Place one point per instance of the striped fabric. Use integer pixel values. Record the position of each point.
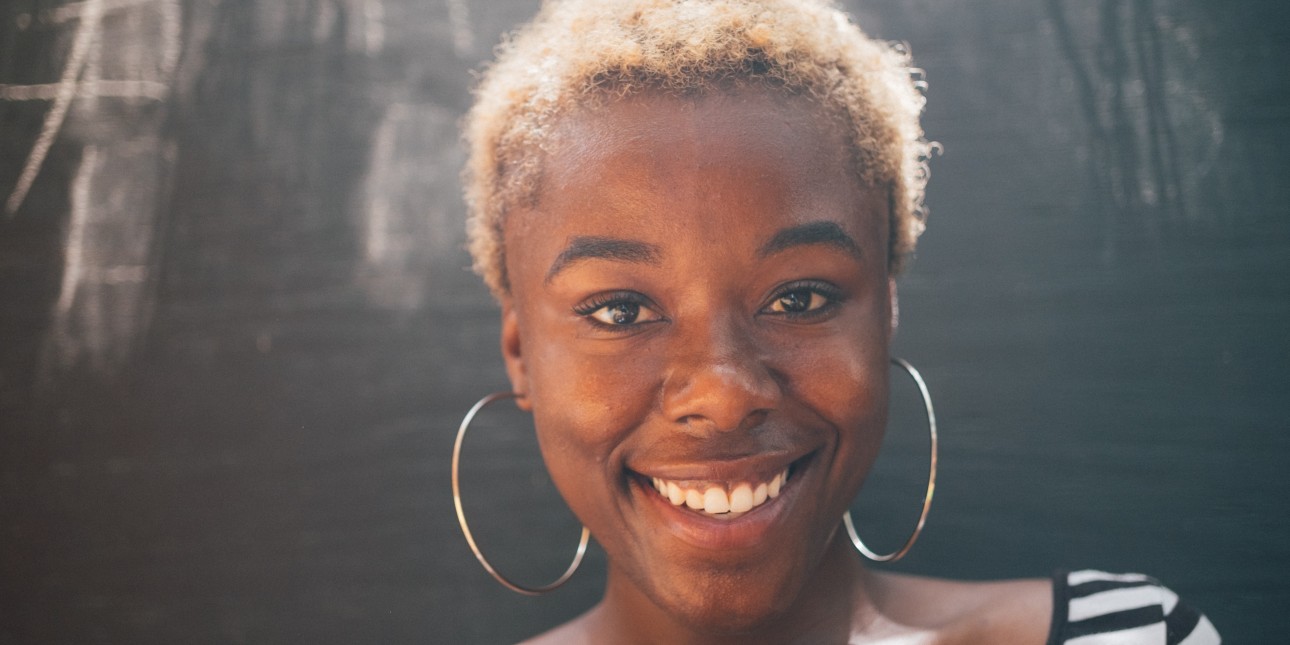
(1098, 608)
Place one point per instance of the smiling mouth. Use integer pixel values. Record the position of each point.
(725, 500)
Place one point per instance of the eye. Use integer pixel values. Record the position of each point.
(617, 310)
(803, 300)
(619, 313)
(798, 301)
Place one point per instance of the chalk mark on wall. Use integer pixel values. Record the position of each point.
(86, 32)
(71, 85)
(126, 50)
(463, 39)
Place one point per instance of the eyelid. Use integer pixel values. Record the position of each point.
(601, 300)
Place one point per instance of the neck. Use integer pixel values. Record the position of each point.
(834, 603)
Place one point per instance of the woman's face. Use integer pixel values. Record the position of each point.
(700, 304)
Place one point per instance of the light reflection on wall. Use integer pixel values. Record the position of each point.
(120, 60)
(402, 217)
(1133, 70)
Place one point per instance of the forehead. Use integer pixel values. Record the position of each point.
(750, 130)
(719, 174)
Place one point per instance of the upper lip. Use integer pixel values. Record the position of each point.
(762, 466)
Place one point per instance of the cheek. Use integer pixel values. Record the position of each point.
(594, 397)
(843, 371)
(584, 408)
(845, 383)
(848, 387)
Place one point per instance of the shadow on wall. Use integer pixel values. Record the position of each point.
(1135, 80)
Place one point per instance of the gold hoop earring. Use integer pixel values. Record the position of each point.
(461, 515)
(931, 479)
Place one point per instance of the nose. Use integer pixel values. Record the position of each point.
(719, 380)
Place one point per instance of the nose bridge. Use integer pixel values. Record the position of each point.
(718, 378)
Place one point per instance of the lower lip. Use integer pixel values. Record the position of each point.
(748, 531)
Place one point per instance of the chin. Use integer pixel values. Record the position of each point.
(733, 615)
(730, 604)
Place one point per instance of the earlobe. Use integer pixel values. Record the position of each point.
(512, 354)
(895, 307)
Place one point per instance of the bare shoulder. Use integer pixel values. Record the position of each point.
(574, 632)
(1011, 611)
(565, 633)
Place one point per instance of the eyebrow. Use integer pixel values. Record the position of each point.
(827, 233)
(585, 247)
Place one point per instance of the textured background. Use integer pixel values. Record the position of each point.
(237, 335)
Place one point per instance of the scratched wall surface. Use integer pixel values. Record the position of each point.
(237, 334)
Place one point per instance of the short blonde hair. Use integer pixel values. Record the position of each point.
(578, 52)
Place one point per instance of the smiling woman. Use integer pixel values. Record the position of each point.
(756, 346)
(692, 215)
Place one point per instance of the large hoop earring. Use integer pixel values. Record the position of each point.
(931, 479)
(461, 515)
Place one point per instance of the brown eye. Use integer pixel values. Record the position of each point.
(795, 302)
(623, 313)
(798, 301)
(620, 313)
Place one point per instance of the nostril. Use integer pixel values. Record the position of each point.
(699, 424)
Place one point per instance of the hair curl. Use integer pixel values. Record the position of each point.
(578, 52)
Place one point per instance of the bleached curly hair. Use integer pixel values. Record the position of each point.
(583, 52)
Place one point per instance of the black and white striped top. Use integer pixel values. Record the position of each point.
(1098, 608)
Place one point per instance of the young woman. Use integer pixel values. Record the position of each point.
(693, 214)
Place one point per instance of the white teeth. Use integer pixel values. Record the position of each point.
(739, 497)
(694, 499)
(675, 494)
(715, 501)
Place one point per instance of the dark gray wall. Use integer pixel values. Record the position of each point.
(237, 334)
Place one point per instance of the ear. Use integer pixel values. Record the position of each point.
(512, 353)
(895, 307)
